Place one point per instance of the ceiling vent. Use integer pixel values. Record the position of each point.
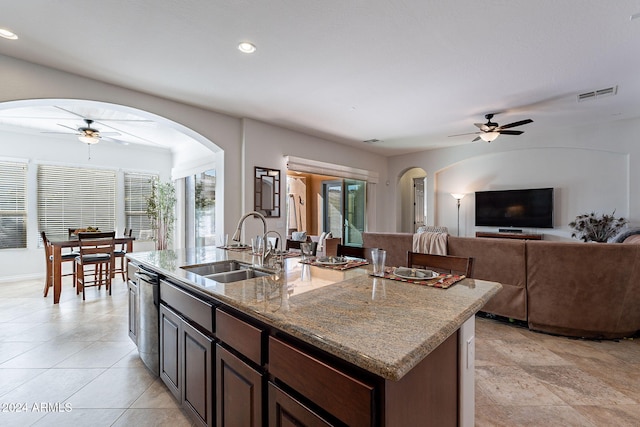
(600, 93)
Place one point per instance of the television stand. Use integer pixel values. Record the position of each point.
(517, 235)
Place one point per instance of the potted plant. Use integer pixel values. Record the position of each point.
(161, 211)
(596, 228)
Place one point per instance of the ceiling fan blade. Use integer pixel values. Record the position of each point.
(477, 138)
(117, 141)
(482, 126)
(69, 111)
(464, 134)
(59, 133)
(510, 132)
(75, 130)
(514, 124)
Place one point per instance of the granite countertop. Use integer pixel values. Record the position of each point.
(383, 326)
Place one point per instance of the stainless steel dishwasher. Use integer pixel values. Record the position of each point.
(147, 324)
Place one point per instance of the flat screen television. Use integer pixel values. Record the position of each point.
(531, 208)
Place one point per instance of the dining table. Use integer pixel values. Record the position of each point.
(59, 243)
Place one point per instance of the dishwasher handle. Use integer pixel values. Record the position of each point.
(153, 280)
(147, 276)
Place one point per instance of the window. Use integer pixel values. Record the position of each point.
(137, 189)
(13, 211)
(200, 192)
(75, 198)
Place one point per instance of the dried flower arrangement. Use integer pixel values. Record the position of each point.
(596, 228)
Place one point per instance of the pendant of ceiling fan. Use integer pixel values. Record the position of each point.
(90, 135)
(491, 130)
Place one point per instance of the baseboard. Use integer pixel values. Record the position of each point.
(21, 278)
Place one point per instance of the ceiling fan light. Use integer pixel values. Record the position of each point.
(489, 136)
(246, 47)
(7, 34)
(89, 139)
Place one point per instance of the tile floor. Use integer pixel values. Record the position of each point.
(76, 359)
(524, 378)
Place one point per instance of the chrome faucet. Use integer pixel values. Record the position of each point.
(236, 236)
(268, 248)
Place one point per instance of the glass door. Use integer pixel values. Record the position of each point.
(354, 211)
(332, 207)
(344, 209)
(200, 197)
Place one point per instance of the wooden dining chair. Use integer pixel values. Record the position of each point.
(119, 253)
(48, 255)
(353, 251)
(441, 263)
(96, 250)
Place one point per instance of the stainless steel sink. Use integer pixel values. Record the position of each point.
(234, 276)
(227, 271)
(215, 267)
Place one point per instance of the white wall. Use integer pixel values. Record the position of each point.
(23, 80)
(590, 167)
(238, 144)
(266, 145)
(68, 152)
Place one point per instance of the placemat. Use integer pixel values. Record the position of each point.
(351, 264)
(442, 281)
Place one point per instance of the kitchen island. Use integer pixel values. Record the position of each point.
(319, 346)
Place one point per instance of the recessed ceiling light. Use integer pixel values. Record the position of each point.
(8, 34)
(246, 47)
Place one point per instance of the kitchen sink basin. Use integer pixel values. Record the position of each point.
(215, 267)
(234, 276)
(227, 271)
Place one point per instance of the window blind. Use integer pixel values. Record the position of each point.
(13, 211)
(137, 189)
(71, 197)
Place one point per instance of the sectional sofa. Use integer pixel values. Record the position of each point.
(589, 290)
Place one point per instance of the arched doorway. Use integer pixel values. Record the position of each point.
(412, 192)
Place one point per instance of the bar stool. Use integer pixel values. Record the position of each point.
(96, 249)
(120, 253)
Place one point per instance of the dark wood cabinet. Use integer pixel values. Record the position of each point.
(170, 357)
(197, 390)
(337, 392)
(286, 411)
(250, 374)
(239, 390)
(186, 355)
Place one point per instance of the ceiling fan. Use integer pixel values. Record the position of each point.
(90, 135)
(491, 130)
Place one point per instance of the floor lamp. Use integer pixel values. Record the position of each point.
(458, 197)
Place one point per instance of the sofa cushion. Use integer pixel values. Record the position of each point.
(396, 244)
(583, 289)
(497, 260)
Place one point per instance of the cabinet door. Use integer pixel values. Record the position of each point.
(197, 353)
(133, 311)
(285, 411)
(170, 357)
(239, 391)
